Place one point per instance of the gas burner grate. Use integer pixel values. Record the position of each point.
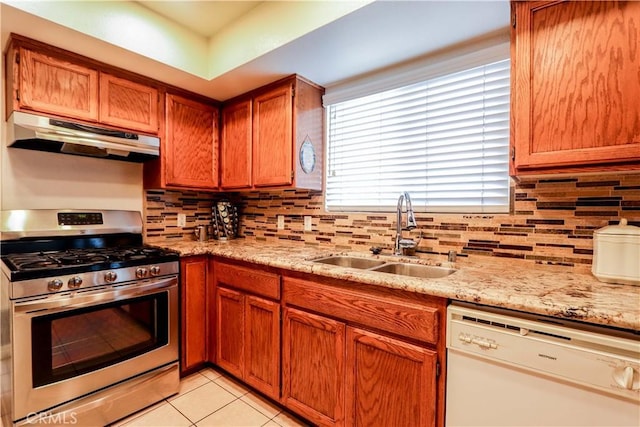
(71, 261)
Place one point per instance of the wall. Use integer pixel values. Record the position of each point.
(552, 221)
(38, 180)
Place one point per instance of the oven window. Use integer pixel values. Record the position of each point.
(75, 342)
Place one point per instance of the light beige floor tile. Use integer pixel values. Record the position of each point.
(130, 418)
(287, 420)
(231, 386)
(235, 414)
(261, 404)
(202, 401)
(190, 383)
(163, 415)
(271, 423)
(210, 373)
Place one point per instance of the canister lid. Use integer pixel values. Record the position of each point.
(621, 229)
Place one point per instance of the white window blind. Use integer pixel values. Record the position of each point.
(444, 140)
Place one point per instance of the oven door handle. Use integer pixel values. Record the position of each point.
(75, 299)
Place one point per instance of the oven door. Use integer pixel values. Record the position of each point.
(70, 344)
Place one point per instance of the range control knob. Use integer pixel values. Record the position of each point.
(141, 272)
(75, 282)
(54, 285)
(154, 270)
(110, 276)
(627, 378)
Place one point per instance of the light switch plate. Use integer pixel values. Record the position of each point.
(307, 223)
(182, 220)
(280, 222)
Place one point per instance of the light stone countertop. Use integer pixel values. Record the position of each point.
(512, 284)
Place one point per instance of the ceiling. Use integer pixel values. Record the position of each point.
(205, 18)
(362, 39)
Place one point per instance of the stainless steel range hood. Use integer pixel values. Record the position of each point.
(33, 132)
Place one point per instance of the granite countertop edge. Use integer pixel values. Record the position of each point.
(511, 284)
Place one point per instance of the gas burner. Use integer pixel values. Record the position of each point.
(82, 258)
(37, 264)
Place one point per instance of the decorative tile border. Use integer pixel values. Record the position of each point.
(553, 220)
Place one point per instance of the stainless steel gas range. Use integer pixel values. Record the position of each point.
(89, 317)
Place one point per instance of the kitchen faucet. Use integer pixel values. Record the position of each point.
(410, 224)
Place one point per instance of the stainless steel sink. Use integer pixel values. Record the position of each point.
(349, 261)
(414, 270)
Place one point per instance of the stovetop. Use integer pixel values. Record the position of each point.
(55, 251)
(47, 263)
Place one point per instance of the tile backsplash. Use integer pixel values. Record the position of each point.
(551, 221)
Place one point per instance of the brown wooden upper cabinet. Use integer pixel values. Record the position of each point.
(46, 80)
(190, 144)
(272, 137)
(235, 145)
(575, 86)
(127, 104)
(47, 84)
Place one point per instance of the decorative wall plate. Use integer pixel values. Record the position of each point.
(307, 156)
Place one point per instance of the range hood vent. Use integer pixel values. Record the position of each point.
(33, 132)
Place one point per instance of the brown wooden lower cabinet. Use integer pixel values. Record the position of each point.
(389, 382)
(262, 345)
(230, 331)
(313, 366)
(345, 354)
(193, 296)
(247, 329)
(337, 371)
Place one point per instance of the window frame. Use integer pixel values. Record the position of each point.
(420, 71)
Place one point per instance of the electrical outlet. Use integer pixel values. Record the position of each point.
(307, 223)
(280, 222)
(182, 220)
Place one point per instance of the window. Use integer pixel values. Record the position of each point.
(445, 140)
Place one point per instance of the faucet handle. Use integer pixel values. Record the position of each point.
(375, 249)
(411, 220)
(452, 256)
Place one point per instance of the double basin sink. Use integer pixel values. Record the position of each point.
(399, 268)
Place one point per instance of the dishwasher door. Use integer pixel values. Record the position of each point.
(519, 371)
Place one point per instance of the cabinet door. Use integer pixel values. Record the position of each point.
(128, 105)
(55, 86)
(313, 366)
(273, 137)
(389, 382)
(262, 345)
(235, 145)
(191, 144)
(576, 84)
(230, 331)
(194, 309)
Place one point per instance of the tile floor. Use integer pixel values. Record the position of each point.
(209, 398)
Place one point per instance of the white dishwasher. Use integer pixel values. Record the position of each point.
(507, 368)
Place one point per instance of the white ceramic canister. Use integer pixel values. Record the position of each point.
(616, 254)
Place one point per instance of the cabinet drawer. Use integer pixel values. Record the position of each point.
(253, 281)
(406, 318)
